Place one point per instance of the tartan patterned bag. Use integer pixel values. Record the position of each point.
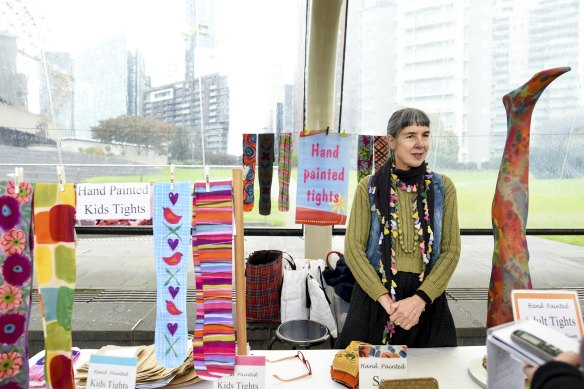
(263, 285)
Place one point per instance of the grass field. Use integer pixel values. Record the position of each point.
(552, 203)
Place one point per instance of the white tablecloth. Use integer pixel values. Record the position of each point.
(449, 365)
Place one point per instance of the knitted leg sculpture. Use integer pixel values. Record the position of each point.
(249, 161)
(509, 210)
(364, 156)
(214, 345)
(381, 151)
(266, 168)
(284, 142)
(171, 219)
(15, 282)
(54, 252)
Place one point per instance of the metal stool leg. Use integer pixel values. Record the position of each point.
(272, 343)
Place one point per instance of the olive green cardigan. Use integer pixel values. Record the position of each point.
(358, 233)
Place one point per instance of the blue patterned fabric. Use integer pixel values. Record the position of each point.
(171, 219)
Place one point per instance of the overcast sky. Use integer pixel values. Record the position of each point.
(257, 43)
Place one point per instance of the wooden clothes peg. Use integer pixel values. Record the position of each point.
(206, 170)
(61, 177)
(18, 177)
(172, 172)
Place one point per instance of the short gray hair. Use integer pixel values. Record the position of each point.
(404, 118)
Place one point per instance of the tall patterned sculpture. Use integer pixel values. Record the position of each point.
(509, 211)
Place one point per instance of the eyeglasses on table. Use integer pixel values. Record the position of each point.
(302, 359)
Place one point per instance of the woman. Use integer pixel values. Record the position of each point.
(402, 245)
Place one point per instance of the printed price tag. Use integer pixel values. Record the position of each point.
(381, 362)
(553, 308)
(111, 372)
(249, 373)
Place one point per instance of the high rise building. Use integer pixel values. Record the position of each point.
(109, 78)
(57, 100)
(508, 65)
(430, 62)
(13, 85)
(556, 41)
(201, 19)
(180, 104)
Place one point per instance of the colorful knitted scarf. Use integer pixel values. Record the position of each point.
(381, 151)
(249, 162)
(55, 256)
(364, 156)
(214, 338)
(284, 143)
(15, 282)
(266, 169)
(384, 185)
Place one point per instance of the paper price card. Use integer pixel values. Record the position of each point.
(249, 373)
(381, 362)
(558, 309)
(107, 372)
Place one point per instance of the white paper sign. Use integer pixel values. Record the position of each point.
(111, 372)
(249, 373)
(381, 362)
(113, 201)
(558, 309)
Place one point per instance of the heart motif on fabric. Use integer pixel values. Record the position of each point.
(172, 243)
(173, 197)
(173, 291)
(172, 327)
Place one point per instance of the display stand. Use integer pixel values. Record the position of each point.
(240, 319)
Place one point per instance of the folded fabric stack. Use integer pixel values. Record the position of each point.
(345, 367)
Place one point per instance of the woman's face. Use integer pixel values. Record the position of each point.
(410, 146)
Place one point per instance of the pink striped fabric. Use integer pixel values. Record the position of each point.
(214, 338)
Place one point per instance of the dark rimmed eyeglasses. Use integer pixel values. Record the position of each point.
(298, 355)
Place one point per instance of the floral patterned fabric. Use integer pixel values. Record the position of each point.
(364, 156)
(15, 282)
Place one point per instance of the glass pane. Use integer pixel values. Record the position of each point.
(116, 91)
(456, 60)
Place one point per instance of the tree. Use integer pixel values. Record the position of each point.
(180, 146)
(143, 132)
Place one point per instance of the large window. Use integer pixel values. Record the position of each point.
(130, 87)
(116, 91)
(455, 60)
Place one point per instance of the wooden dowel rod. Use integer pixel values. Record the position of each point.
(240, 318)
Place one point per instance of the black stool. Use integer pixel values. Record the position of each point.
(302, 334)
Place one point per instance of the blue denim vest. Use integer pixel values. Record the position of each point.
(372, 249)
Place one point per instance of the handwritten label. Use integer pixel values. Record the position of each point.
(323, 178)
(381, 362)
(107, 372)
(249, 373)
(556, 309)
(113, 201)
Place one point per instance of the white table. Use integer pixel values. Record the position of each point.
(449, 365)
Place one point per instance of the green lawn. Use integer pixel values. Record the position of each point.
(276, 218)
(553, 203)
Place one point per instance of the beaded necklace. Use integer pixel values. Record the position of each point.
(395, 231)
